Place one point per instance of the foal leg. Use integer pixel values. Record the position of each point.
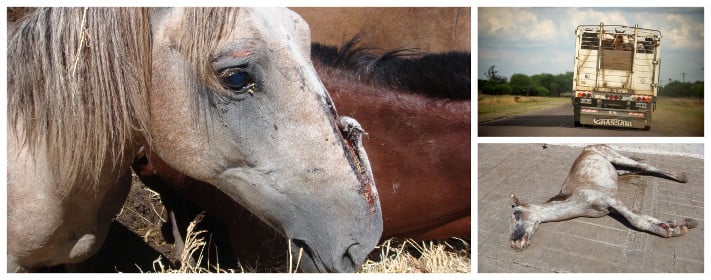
(652, 224)
(619, 160)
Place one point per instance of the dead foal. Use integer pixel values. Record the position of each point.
(590, 190)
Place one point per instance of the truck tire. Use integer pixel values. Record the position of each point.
(646, 128)
(577, 124)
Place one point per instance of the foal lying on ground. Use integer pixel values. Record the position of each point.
(590, 190)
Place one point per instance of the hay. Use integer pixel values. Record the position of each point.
(421, 257)
(448, 256)
(391, 256)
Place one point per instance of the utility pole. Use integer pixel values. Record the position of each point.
(683, 77)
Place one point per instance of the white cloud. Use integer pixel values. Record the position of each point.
(515, 24)
(581, 16)
(681, 33)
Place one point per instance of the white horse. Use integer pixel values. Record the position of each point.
(226, 96)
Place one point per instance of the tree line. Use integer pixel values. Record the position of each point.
(683, 89)
(554, 85)
(521, 84)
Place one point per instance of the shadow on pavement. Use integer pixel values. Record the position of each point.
(534, 121)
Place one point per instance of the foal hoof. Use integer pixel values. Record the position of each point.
(690, 223)
(520, 244)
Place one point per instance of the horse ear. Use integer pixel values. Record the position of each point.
(515, 200)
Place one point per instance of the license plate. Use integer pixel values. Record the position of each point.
(642, 105)
(612, 122)
(585, 101)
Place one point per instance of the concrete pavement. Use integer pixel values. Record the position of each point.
(602, 244)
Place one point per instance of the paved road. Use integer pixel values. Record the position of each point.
(553, 121)
(601, 244)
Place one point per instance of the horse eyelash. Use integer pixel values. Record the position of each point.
(226, 72)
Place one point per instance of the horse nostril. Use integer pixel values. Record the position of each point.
(348, 260)
(518, 233)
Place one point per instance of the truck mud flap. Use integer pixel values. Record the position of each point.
(613, 118)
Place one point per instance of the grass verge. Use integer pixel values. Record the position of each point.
(493, 107)
(677, 116)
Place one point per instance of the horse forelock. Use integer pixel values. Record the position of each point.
(77, 83)
(198, 35)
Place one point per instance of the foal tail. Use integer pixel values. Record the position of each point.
(635, 167)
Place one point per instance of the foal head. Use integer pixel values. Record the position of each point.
(524, 223)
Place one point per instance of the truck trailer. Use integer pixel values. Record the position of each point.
(616, 75)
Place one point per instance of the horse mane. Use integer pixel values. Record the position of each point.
(77, 83)
(15, 14)
(440, 75)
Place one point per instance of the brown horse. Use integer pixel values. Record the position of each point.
(419, 133)
(226, 96)
(419, 146)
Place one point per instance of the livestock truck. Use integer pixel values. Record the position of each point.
(616, 75)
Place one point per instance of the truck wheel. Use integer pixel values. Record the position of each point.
(646, 128)
(577, 124)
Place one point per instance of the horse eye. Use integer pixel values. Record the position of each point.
(236, 80)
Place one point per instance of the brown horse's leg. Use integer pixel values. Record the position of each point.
(652, 224)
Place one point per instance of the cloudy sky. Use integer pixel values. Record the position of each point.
(542, 40)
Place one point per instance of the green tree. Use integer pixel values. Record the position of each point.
(555, 89)
(493, 76)
(521, 84)
(487, 87)
(542, 91)
(543, 80)
(564, 82)
(683, 89)
(504, 89)
(697, 89)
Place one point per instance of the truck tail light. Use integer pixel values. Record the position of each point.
(646, 99)
(583, 94)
